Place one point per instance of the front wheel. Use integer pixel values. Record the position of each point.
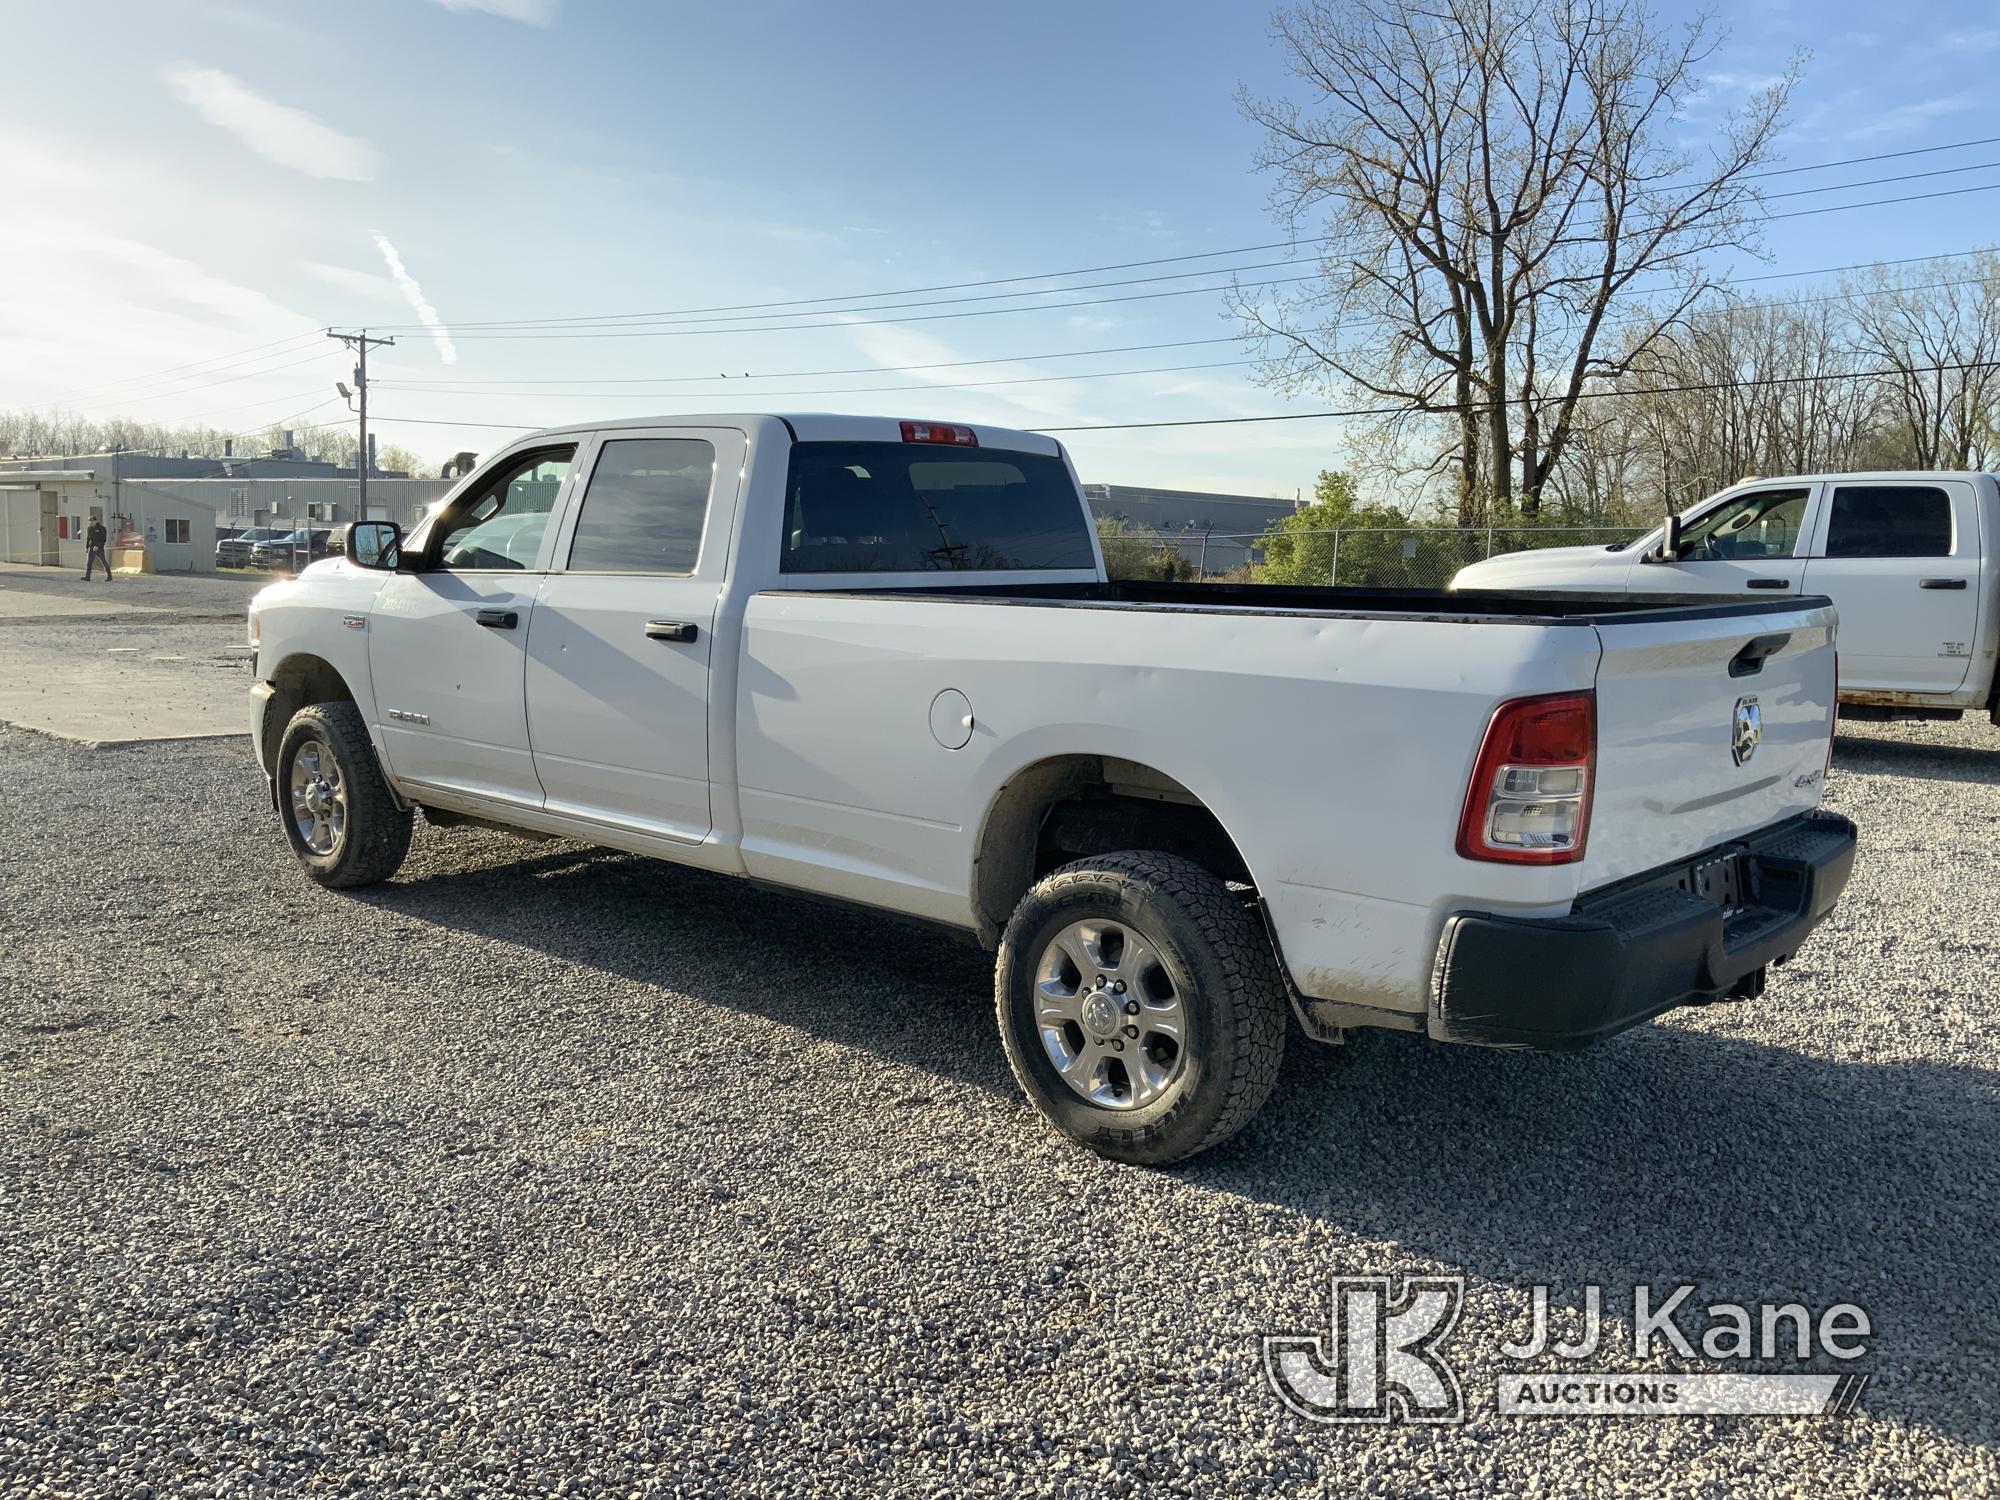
(1140, 1006)
(339, 815)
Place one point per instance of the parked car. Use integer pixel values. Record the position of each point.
(881, 662)
(295, 549)
(1910, 560)
(234, 551)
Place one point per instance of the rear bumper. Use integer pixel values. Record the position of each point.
(1643, 946)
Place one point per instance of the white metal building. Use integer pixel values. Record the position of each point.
(45, 513)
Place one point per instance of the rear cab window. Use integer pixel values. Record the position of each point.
(1889, 520)
(919, 508)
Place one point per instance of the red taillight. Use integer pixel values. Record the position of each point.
(940, 432)
(1529, 799)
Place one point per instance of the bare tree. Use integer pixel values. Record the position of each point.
(1936, 328)
(1494, 176)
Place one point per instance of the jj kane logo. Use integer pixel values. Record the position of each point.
(1383, 1357)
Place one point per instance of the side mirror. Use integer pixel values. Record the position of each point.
(376, 545)
(1669, 549)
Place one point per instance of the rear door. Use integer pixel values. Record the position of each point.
(624, 640)
(1900, 560)
(1709, 726)
(1750, 544)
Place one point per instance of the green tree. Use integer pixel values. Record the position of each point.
(1133, 553)
(1378, 546)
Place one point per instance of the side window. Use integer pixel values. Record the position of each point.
(1889, 520)
(1764, 523)
(502, 525)
(644, 507)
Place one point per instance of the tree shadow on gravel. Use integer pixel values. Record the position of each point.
(1914, 758)
(1674, 1153)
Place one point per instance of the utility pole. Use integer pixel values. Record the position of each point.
(359, 342)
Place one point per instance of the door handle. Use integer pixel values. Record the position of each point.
(1940, 583)
(1750, 660)
(1768, 583)
(672, 630)
(498, 619)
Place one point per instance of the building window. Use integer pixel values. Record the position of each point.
(239, 503)
(177, 529)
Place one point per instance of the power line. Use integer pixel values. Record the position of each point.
(215, 410)
(1453, 408)
(968, 385)
(222, 359)
(1006, 359)
(853, 390)
(1857, 161)
(1841, 187)
(948, 364)
(1165, 260)
(1386, 411)
(734, 392)
(861, 322)
(202, 385)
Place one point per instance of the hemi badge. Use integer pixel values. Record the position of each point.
(355, 622)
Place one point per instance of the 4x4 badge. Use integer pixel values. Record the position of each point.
(1747, 731)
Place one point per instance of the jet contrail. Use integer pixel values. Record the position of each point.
(426, 314)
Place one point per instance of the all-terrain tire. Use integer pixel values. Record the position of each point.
(375, 833)
(1219, 964)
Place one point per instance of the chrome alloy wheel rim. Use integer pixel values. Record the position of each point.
(319, 798)
(1109, 1015)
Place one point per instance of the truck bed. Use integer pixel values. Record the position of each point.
(1527, 606)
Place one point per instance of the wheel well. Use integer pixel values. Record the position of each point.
(299, 682)
(1073, 806)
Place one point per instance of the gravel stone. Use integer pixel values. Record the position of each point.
(547, 1170)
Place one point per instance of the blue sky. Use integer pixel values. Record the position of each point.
(187, 180)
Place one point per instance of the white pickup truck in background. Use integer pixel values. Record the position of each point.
(880, 661)
(1910, 560)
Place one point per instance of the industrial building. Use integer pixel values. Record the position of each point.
(1220, 529)
(179, 502)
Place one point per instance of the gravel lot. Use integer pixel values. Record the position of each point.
(545, 1169)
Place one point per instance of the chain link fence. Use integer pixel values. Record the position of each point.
(1346, 557)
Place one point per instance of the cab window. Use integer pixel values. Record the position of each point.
(911, 508)
(1889, 520)
(1761, 524)
(501, 525)
(643, 509)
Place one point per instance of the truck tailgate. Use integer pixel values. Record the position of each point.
(1709, 727)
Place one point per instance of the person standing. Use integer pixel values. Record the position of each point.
(94, 553)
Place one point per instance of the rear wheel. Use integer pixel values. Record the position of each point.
(339, 816)
(1140, 1006)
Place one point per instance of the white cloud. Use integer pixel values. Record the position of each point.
(529, 12)
(1907, 117)
(419, 303)
(370, 284)
(278, 132)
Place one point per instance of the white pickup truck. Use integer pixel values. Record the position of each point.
(880, 661)
(1910, 560)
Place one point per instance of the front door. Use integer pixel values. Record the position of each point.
(1901, 563)
(447, 646)
(620, 659)
(1749, 544)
